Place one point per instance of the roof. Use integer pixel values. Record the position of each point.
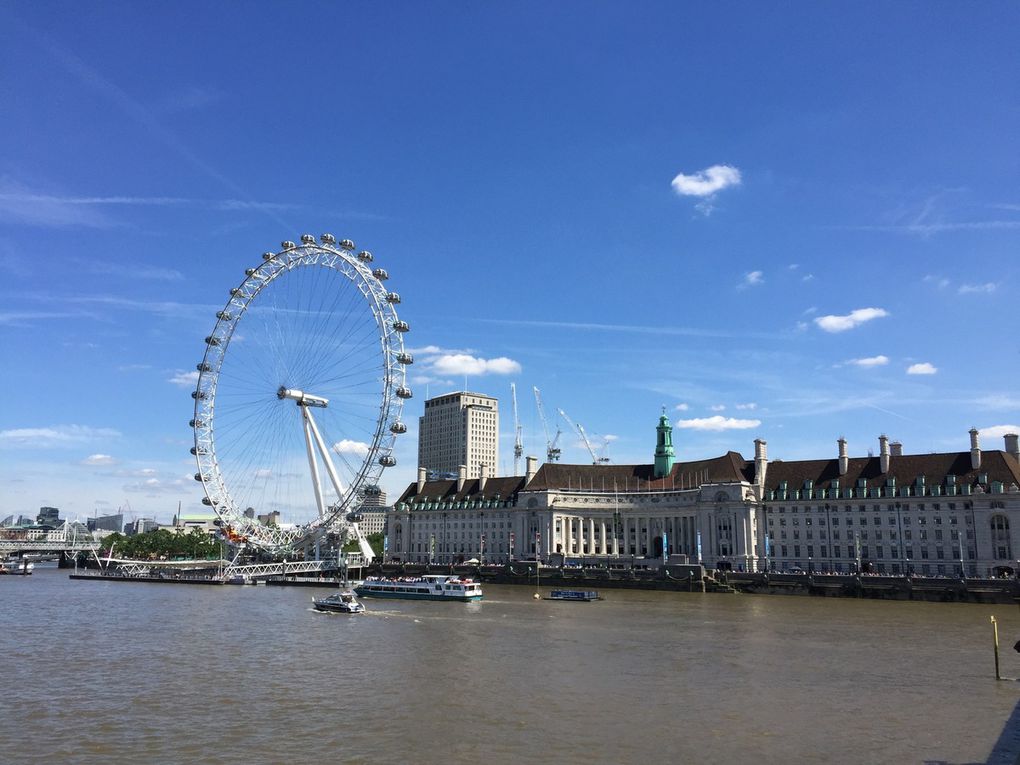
(446, 490)
(905, 469)
(727, 468)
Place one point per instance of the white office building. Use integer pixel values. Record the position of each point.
(459, 429)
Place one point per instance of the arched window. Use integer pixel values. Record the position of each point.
(1001, 546)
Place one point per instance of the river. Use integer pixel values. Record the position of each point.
(105, 672)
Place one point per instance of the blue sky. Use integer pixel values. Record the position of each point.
(787, 221)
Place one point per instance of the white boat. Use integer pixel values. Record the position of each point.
(428, 587)
(17, 566)
(338, 603)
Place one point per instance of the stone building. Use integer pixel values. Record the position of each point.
(934, 514)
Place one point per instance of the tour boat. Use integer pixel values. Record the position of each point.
(428, 587)
(338, 603)
(17, 566)
(578, 596)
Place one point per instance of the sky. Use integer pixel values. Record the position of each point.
(787, 221)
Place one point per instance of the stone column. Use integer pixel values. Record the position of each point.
(603, 542)
(591, 536)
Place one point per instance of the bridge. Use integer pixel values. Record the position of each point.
(69, 539)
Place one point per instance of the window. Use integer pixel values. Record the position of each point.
(1000, 536)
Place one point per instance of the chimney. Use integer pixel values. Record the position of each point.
(761, 462)
(883, 453)
(1012, 445)
(483, 478)
(896, 448)
(532, 468)
(461, 477)
(844, 458)
(422, 472)
(975, 450)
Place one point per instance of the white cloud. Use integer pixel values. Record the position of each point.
(752, 279)
(870, 361)
(833, 323)
(99, 459)
(682, 407)
(998, 431)
(707, 182)
(184, 379)
(939, 281)
(717, 423)
(464, 364)
(347, 446)
(749, 405)
(808, 278)
(718, 408)
(987, 288)
(54, 436)
(609, 438)
(923, 368)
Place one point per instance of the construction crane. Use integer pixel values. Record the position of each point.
(552, 452)
(595, 459)
(518, 446)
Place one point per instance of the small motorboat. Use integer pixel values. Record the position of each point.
(338, 603)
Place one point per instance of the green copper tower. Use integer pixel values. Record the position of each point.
(664, 454)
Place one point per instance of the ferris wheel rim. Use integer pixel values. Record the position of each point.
(340, 258)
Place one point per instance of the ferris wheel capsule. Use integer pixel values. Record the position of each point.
(365, 256)
(346, 244)
(398, 427)
(327, 239)
(381, 274)
(287, 245)
(268, 255)
(387, 460)
(307, 239)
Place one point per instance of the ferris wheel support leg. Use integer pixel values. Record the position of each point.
(312, 464)
(330, 468)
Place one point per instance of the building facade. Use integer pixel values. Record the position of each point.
(459, 429)
(926, 514)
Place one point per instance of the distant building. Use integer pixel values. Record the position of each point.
(140, 526)
(376, 500)
(373, 521)
(106, 523)
(270, 519)
(202, 521)
(931, 514)
(8, 521)
(459, 429)
(48, 516)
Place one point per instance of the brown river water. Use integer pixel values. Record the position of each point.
(105, 672)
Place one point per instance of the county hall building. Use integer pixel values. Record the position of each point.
(928, 514)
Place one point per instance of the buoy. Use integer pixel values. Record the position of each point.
(537, 596)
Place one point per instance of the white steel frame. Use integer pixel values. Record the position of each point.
(341, 258)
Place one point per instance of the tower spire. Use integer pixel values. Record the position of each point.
(664, 454)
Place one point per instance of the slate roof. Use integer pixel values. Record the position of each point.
(446, 490)
(727, 468)
(997, 465)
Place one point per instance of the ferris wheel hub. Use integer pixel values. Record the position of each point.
(302, 398)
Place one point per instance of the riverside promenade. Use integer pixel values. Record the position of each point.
(694, 578)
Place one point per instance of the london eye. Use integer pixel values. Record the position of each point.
(299, 394)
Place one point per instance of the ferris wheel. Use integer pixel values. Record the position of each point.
(299, 394)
